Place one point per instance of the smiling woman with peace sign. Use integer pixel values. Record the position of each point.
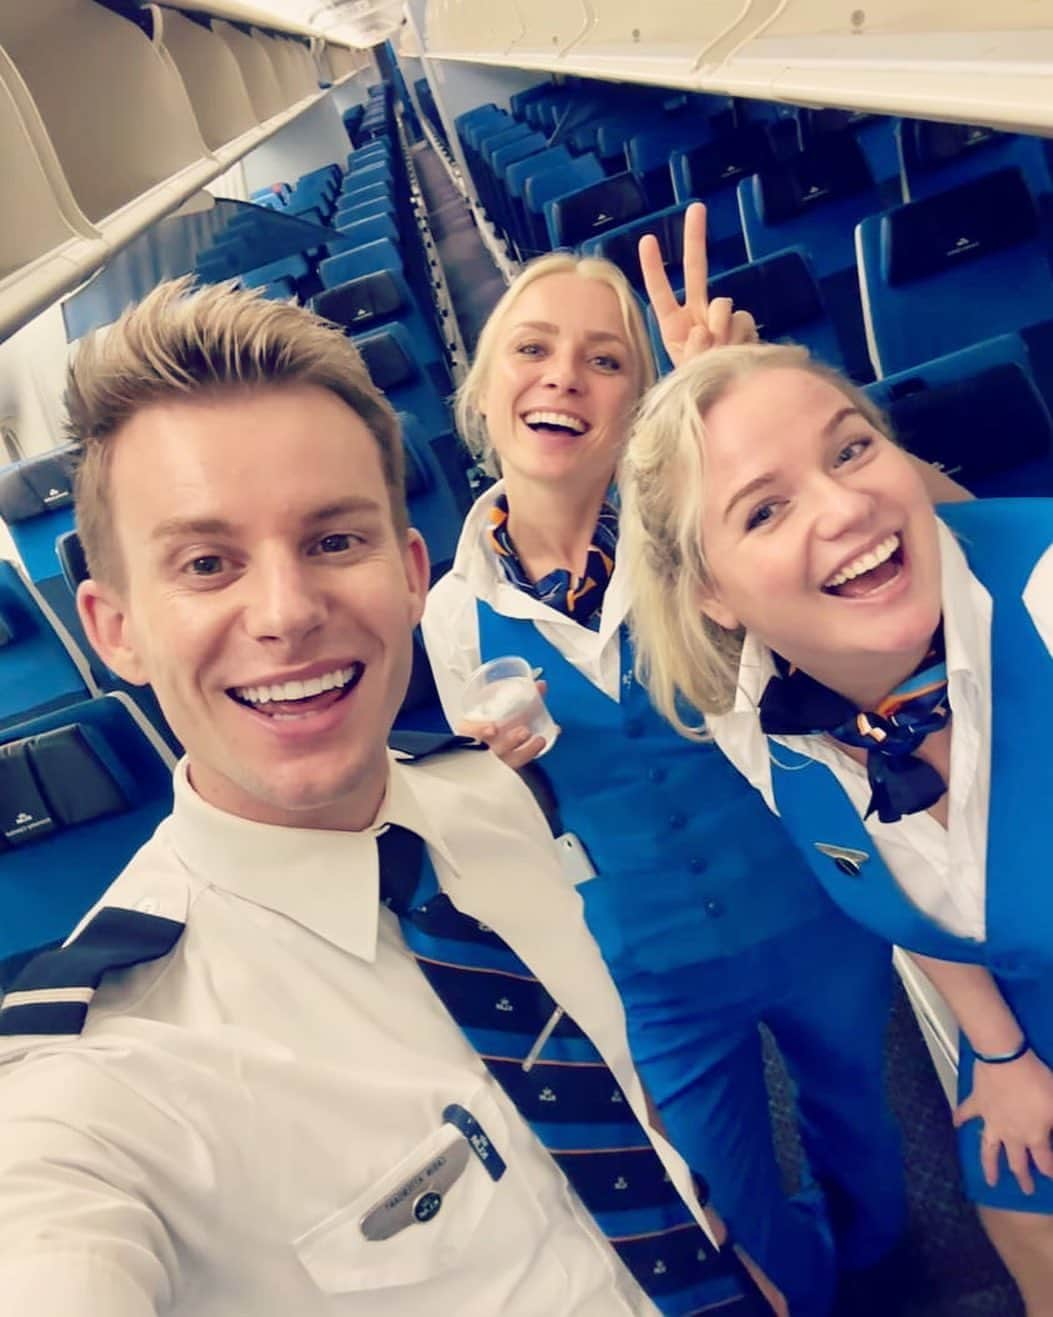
(703, 910)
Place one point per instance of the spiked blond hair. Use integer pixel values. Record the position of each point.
(181, 342)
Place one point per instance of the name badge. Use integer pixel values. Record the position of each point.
(419, 1198)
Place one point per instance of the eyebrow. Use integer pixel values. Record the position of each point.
(593, 335)
(180, 527)
(758, 482)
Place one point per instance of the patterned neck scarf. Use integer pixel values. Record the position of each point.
(580, 598)
(795, 704)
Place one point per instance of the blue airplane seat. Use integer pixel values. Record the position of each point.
(369, 195)
(433, 508)
(648, 153)
(620, 245)
(361, 179)
(938, 156)
(372, 301)
(523, 148)
(594, 209)
(877, 137)
(36, 503)
(81, 789)
(814, 200)
(519, 100)
(390, 358)
(712, 172)
(541, 189)
(279, 290)
(292, 269)
(37, 671)
(954, 269)
(519, 173)
(365, 210)
(783, 295)
(355, 232)
(381, 254)
(977, 414)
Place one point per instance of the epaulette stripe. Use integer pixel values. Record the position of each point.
(46, 995)
(52, 992)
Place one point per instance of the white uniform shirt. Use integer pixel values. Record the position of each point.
(451, 620)
(942, 870)
(208, 1146)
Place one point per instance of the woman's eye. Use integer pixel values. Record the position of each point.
(851, 451)
(761, 515)
(607, 363)
(529, 349)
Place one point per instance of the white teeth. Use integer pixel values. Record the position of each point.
(866, 562)
(574, 423)
(297, 690)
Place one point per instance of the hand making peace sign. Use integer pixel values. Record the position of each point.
(697, 324)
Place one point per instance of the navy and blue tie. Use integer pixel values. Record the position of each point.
(564, 1090)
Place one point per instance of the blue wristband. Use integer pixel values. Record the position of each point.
(1004, 1057)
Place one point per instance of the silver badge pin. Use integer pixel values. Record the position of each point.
(419, 1197)
(849, 861)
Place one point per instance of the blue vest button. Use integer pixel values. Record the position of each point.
(697, 866)
(713, 908)
(677, 822)
(657, 775)
(634, 729)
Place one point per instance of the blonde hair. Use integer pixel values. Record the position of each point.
(471, 423)
(683, 656)
(180, 342)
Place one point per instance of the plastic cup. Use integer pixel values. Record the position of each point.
(505, 693)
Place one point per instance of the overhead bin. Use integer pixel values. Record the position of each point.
(114, 109)
(257, 69)
(212, 75)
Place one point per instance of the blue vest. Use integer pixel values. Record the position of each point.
(691, 865)
(1002, 540)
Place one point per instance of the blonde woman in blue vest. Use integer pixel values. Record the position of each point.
(881, 673)
(707, 917)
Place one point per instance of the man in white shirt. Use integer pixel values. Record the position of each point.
(251, 1114)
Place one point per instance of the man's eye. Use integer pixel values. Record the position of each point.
(208, 564)
(335, 543)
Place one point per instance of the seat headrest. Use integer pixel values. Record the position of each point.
(386, 359)
(989, 422)
(723, 162)
(780, 293)
(622, 248)
(831, 166)
(962, 224)
(7, 630)
(37, 485)
(72, 559)
(937, 143)
(361, 301)
(603, 205)
(418, 475)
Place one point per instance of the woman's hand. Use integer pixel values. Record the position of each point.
(511, 742)
(1015, 1103)
(698, 324)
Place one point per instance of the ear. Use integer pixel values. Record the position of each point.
(104, 616)
(418, 572)
(713, 606)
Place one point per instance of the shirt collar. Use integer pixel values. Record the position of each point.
(475, 564)
(327, 881)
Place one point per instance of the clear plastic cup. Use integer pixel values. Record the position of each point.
(504, 692)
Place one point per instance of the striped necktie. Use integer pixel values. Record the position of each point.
(564, 1090)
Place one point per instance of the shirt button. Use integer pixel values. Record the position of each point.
(713, 907)
(678, 822)
(657, 775)
(148, 906)
(634, 729)
(697, 866)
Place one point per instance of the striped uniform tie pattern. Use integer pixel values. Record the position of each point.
(564, 1091)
